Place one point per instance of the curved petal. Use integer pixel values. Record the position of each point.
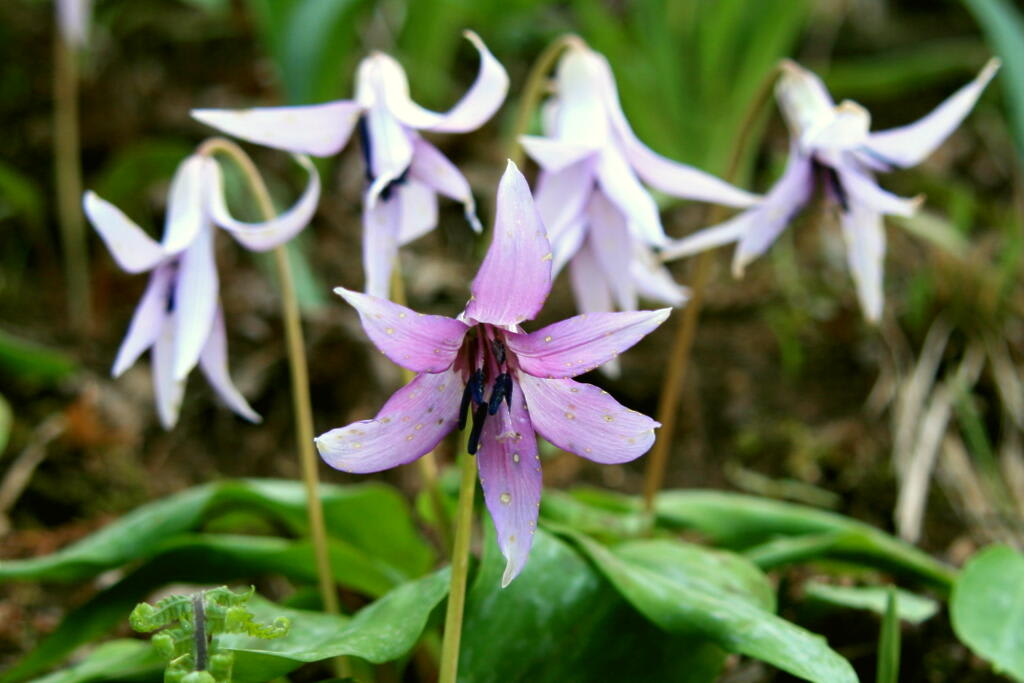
(381, 223)
(562, 196)
(418, 342)
(510, 476)
(909, 145)
(433, 169)
(317, 129)
(588, 284)
(865, 251)
(621, 186)
(654, 281)
(186, 215)
(716, 236)
(583, 419)
(390, 151)
(268, 234)
(567, 243)
(195, 302)
(580, 116)
(478, 105)
(581, 343)
(148, 319)
(555, 155)
(214, 364)
(862, 188)
(131, 247)
(411, 423)
(168, 389)
(613, 247)
(514, 280)
(418, 210)
(803, 99)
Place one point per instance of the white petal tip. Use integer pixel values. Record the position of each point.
(989, 70)
(474, 221)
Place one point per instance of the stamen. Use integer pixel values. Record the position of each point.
(385, 194)
(508, 390)
(476, 386)
(364, 145)
(478, 427)
(467, 393)
(500, 391)
(499, 351)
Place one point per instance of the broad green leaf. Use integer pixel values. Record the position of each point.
(116, 660)
(909, 606)
(32, 362)
(559, 620)
(685, 604)
(889, 642)
(987, 608)
(381, 632)
(1003, 25)
(373, 518)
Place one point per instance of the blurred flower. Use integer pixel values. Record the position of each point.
(514, 383)
(601, 219)
(73, 19)
(833, 144)
(405, 172)
(180, 316)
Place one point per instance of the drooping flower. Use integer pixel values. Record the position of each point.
(405, 172)
(832, 144)
(73, 19)
(600, 217)
(179, 316)
(511, 383)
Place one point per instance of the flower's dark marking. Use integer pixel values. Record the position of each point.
(364, 145)
(502, 389)
(478, 427)
(499, 351)
(476, 386)
(837, 188)
(385, 194)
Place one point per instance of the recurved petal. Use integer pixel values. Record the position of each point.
(583, 419)
(381, 223)
(195, 302)
(555, 155)
(421, 343)
(514, 280)
(169, 390)
(391, 150)
(317, 129)
(147, 321)
(186, 214)
(131, 247)
(474, 109)
(909, 145)
(214, 364)
(411, 423)
(864, 189)
(268, 234)
(581, 343)
(621, 186)
(865, 252)
(803, 98)
(418, 210)
(433, 169)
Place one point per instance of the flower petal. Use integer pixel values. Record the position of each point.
(847, 129)
(418, 210)
(514, 280)
(317, 129)
(909, 145)
(478, 105)
(716, 236)
(432, 168)
(195, 302)
(865, 251)
(803, 98)
(390, 150)
(411, 423)
(613, 247)
(583, 419)
(418, 342)
(214, 363)
(148, 319)
(381, 223)
(653, 280)
(562, 196)
(131, 247)
(186, 214)
(588, 284)
(168, 389)
(580, 116)
(511, 479)
(862, 188)
(555, 155)
(621, 186)
(566, 243)
(268, 234)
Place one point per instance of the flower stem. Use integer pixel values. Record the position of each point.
(427, 464)
(67, 158)
(534, 90)
(300, 381)
(686, 330)
(460, 572)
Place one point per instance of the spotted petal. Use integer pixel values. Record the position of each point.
(411, 423)
(131, 247)
(214, 363)
(418, 342)
(583, 419)
(148, 319)
(583, 342)
(514, 280)
(317, 129)
(909, 145)
(511, 479)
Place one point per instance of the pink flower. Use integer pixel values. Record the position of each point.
(405, 172)
(179, 316)
(511, 383)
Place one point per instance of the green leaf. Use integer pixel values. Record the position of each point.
(382, 632)
(32, 362)
(909, 606)
(559, 620)
(116, 660)
(1003, 25)
(889, 643)
(6, 422)
(987, 608)
(690, 603)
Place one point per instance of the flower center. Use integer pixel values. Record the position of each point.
(485, 359)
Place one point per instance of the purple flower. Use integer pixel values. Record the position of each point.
(179, 316)
(600, 217)
(405, 172)
(483, 366)
(832, 144)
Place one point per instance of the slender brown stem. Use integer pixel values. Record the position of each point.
(67, 158)
(427, 465)
(686, 330)
(300, 380)
(460, 572)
